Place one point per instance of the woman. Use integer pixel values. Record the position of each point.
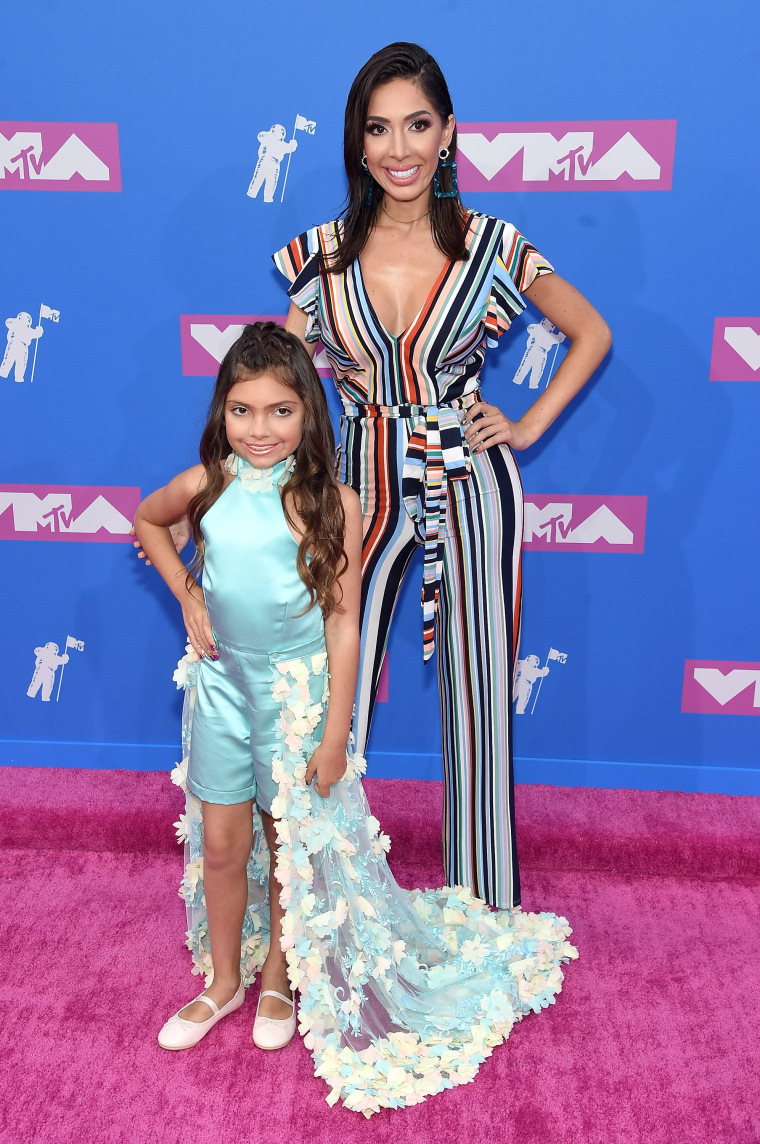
(406, 291)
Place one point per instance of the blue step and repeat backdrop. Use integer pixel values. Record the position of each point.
(151, 159)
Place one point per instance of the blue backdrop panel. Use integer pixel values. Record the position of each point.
(638, 668)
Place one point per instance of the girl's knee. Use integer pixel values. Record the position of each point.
(225, 853)
(227, 837)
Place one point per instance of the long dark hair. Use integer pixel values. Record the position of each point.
(312, 488)
(447, 216)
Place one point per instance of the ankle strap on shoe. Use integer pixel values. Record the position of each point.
(208, 1001)
(274, 993)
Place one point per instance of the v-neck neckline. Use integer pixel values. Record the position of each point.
(447, 266)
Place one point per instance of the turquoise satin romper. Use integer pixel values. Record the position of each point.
(256, 603)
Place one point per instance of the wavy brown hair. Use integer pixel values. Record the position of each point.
(312, 489)
(447, 216)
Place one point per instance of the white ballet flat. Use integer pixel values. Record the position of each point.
(269, 1033)
(179, 1033)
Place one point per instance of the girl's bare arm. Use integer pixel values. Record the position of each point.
(152, 519)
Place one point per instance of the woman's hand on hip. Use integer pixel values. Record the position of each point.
(329, 765)
(198, 625)
(486, 426)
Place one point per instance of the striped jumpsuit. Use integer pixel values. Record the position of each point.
(402, 449)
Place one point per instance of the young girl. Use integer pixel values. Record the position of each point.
(402, 994)
(280, 584)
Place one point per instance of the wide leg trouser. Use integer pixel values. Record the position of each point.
(476, 638)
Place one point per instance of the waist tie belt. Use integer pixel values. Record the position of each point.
(436, 454)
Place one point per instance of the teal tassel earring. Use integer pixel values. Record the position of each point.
(443, 155)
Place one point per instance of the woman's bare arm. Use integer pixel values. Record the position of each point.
(295, 323)
(590, 339)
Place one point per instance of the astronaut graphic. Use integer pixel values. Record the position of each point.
(47, 662)
(273, 148)
(528, 671)
(21, 334)
(542, 337)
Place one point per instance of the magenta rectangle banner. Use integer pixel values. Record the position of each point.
(59, 157)
(584, 523)
(97, 513)
(206, 338)
(594, 155)
(735, 350)
(721, 687)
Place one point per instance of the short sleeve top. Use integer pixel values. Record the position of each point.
(440, 355)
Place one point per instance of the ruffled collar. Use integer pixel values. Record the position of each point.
(257, 480)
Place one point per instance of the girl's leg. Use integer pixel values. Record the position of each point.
(478, 629)
(227, 840)
(274, 973)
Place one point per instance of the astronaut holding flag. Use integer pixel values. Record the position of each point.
(528, 671)
(273, 147)
(47, 661)
(21, 334)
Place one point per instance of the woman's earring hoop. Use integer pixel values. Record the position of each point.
(443, 165)
(365, 164)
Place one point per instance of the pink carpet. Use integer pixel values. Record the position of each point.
(653, 1040)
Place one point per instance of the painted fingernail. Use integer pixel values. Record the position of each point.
(214, 657)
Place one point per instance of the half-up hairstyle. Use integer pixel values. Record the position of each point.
(312, 489)
(447, 216)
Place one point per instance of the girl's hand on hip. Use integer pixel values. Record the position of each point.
(329, 765)
(181, 533)
(486, 426)
(198, 626)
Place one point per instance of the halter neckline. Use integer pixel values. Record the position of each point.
(259, 480)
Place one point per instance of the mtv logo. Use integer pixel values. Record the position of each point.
(59, 157)
(735, 350)
(605, 155)
(581, 523)
(715, 687)
(205, 339)
(67, 512)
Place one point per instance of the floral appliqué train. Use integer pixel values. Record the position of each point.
(402, 994)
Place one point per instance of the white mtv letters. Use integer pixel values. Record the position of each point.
(216, 342)
(22, 154)
(746, 342)
(569, 156)
(724, 688)
(543, 336)
(273, 147)
(213, 340)
(54, 512)
(47, 662)
(528, 671)
(553, 523)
